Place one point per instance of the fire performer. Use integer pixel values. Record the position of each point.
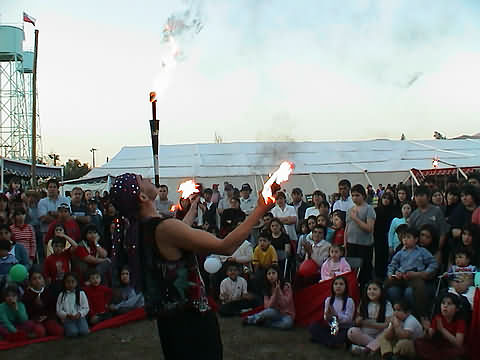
(174, 291)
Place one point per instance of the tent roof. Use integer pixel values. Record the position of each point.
(260, 158)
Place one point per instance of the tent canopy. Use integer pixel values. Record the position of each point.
(317, 164)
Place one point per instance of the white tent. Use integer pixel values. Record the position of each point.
(318, 165)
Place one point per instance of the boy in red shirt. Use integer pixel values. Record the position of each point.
(58, 264)
(99, 298)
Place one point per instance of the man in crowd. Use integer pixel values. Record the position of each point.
(474, 179)
(247, 202)
(162, 203)
(79, 208)
(48, 206)
(300, 206)
(224, 203)
(286, 214)
(426, 213)
(209, 210)
(345, 202)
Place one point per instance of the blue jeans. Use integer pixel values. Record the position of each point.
(76, 327)
(273, 318)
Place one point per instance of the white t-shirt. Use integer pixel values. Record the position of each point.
(289, 210)
(233, 290)
(311, 211)
(373, 309)
(320, 251)
(343, 205)
(411, 323)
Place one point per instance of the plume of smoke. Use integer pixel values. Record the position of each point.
(177, 33)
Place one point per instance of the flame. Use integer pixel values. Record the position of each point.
(173, 208)
(188, 188)
(278, 177)
(153, 96)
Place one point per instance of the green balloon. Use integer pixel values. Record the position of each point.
(18, 273)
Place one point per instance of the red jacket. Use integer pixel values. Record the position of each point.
(99, 297)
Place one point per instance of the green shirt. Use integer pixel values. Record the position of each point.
(10, 317)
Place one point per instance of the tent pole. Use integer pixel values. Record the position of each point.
(463, 173)
(365, 172)
(313, 181)
(414, 178)
(1, 176)
(109, 182)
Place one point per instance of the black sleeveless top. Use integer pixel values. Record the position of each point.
(169, 286)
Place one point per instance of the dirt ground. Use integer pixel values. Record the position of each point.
(140, 340)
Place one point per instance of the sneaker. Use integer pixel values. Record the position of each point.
(358, 350)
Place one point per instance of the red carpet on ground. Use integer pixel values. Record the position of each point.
(309, 302)
(134, 315)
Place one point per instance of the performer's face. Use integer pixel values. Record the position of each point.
(147, 187)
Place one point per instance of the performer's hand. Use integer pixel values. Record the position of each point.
(264, 206)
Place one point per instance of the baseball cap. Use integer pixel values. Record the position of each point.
(246, 187)
(64, 206)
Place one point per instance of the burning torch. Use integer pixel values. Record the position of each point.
(186, 189)
(273, 183)
(154, 131)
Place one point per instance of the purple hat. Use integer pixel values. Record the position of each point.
(124, 194)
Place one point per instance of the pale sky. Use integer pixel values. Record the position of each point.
(258, 70)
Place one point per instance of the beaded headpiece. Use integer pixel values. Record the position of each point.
(124, 194)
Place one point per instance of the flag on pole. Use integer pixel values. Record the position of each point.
(28, 18)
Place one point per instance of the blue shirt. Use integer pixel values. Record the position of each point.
(417, 259)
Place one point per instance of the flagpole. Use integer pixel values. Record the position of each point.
(34, 113)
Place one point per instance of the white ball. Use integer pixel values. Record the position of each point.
(212, 264)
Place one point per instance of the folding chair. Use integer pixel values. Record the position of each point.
(355, 263)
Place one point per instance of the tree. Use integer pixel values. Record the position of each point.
(74, 169)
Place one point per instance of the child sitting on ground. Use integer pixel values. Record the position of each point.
(374, 315)
(335, 264)
(234, 294)
(398, 339)
(72, 307)
(14, 323)
(128, 299)
(445, 335)
(40, 303)
(99, 298)
(339, 309)
(411, 267)
(461, 275)
(279, 310)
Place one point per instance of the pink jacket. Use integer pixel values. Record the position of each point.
(340, 268)
(282, 300)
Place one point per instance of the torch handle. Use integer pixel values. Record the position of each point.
(156, 170)
(154, 109)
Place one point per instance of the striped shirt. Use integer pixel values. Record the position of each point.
(25, 235)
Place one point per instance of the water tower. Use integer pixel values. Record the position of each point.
(15, 127)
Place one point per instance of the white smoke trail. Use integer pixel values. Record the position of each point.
(179, 29)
